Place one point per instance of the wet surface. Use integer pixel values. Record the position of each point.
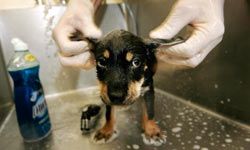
(187, 127)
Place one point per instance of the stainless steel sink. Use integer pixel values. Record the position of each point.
(220, 84)
(188, 126)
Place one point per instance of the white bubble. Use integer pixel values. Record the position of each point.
(242, 148)
(178, 135)
(228, 140)
(176, 129)
(198, 137)
(128, 147)
(204, 148)
(247, 139)
(135, 146)
(204, 123)
(181, 113)
(196, 147)
(211, 134)
(212, 144)
(168, 116)
(216, 86)
(179, 124)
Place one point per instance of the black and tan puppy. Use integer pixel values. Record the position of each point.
(125, 66)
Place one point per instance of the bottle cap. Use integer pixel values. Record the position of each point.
(19, 45)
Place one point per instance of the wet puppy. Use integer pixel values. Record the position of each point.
(125, 66)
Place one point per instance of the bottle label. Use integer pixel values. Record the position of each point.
(31, 108)
(39, 108)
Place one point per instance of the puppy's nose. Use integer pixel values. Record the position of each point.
(116, 97)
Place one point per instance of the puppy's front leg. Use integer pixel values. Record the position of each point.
(107, 133)
(152, 132)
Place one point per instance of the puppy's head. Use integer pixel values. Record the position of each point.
(121, 62)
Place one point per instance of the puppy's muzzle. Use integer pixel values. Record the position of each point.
(116, 96)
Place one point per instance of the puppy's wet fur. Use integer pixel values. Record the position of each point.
(125, 65)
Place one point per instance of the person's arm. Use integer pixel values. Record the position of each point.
(78, 17)
(207, 20)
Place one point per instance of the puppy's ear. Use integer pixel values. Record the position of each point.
(151, 44)
(155, 43)
(93, 44)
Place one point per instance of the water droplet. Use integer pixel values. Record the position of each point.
(216, 86)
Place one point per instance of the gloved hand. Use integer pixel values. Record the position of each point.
(78, 17)
(207, 21)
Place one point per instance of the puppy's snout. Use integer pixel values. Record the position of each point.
(116, 96)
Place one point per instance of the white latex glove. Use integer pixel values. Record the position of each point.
(78, 17)
(207, 19)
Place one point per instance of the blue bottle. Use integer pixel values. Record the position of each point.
(31, 108)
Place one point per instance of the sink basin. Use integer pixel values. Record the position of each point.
(188, 126)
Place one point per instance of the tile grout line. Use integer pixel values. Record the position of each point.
(201, 108)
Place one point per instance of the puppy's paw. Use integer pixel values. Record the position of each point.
(153, 135)
(103, 136)
(155, 140)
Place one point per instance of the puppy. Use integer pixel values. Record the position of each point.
(125, 66)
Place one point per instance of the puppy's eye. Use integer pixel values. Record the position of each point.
(101, 62)
(136, 62)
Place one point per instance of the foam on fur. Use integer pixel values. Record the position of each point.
(102, 141)
(155, 141)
